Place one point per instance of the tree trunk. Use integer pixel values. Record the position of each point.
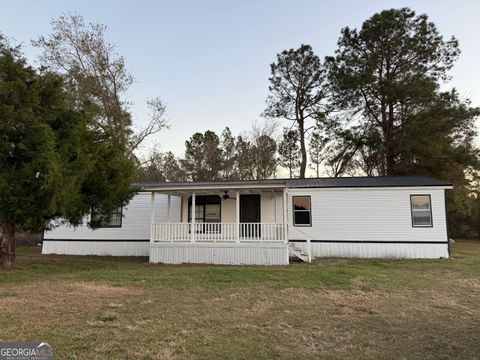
(290, 166)
(390, 155)
(383, 110)
(390, 146)
(303, 150)
(7, 249)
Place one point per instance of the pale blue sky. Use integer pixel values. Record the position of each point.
(209, 60)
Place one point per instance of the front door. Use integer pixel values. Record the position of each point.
(250, 215)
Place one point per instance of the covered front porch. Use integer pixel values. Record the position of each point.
(224, 223)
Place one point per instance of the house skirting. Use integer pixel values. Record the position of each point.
(221, 254)
(243, 254)
(376, 249)
(96, 247)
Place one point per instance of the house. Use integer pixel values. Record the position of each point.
(268, 221)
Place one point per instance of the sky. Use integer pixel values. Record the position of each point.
(209, 60)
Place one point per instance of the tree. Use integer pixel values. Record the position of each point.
(316, 150)
(263, 139)
(228, 153)
(97, 78)
(203, 156)
(172, 170)
(351, 151)
(265, 150)
(386, 78)
(289, 151)
(53, 162)
(152, 168)
(297, 92)
(245, 159)
(161, 167)
(27, 150)
(387, 72)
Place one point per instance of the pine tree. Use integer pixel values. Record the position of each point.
(288, 149)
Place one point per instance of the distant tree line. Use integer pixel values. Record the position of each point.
(209, 156)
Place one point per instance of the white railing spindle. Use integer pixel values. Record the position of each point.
(218, 232)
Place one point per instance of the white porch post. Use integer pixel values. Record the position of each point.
(274, 207)
(285, 214)
(152, 216)
(237, 214)
(192, 232)
(168, 208)
(275, 230)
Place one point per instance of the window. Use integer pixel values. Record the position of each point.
(421, 210)
(106, 220)
(301, 211)
(207, 209)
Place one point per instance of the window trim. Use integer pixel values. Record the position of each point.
(108, 226)
(430, 208)
(309, 211)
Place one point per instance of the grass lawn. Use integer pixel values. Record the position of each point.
(105, 307)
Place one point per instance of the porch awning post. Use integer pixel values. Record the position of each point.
(285, 214)
(274, 207)
(192, 232)
(237, 214)
(152, 215)
(168, 207)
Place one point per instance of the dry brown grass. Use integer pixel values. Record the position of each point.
(389, 309)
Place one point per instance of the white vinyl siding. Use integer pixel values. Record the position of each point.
(373, 214)
(135, 222)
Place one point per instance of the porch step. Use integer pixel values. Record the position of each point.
(296, 251)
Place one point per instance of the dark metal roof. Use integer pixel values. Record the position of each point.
(220, 183)
(366, 181)
(339, 182)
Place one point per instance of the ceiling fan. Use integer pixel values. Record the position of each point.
(226, 196)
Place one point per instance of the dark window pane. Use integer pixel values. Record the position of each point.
(302, 217)
(422, 218)
(205, 199)
(102, 219)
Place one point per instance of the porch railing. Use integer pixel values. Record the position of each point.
(218, 232)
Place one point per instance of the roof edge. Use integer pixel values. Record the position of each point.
(360, 182)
